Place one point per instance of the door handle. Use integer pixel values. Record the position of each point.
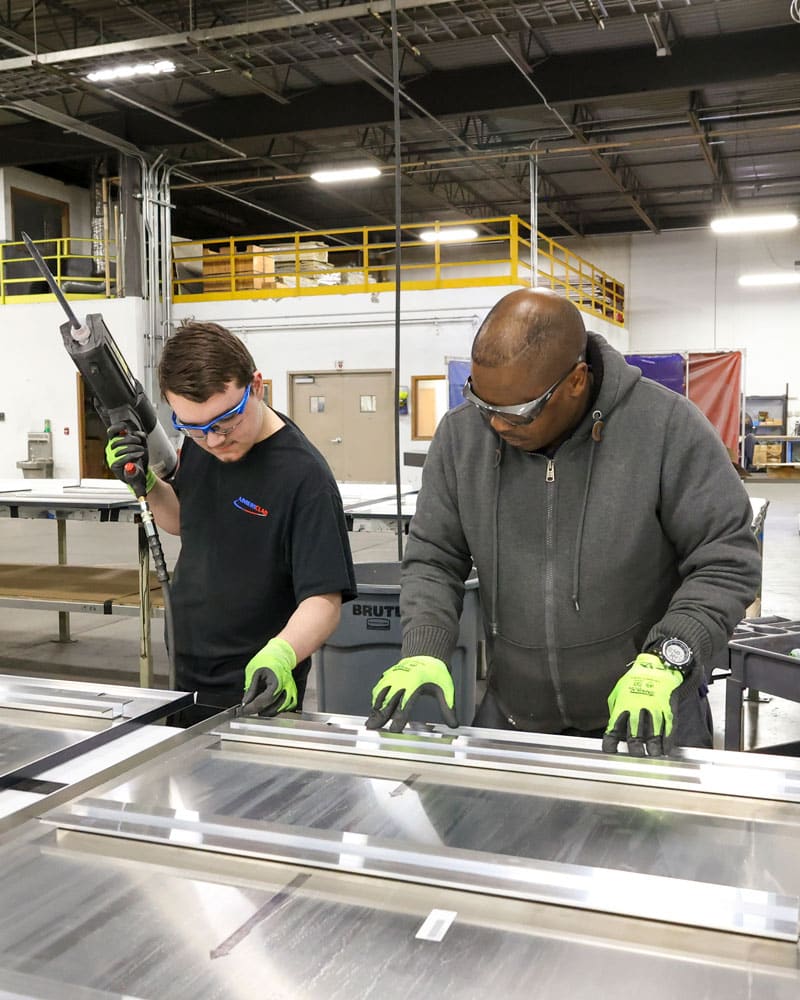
(336, 440)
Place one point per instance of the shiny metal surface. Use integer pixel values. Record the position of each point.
(238, 863)
(20, 744)
(222, 793)
(744, 911)
(28, 697)
(424, 807)
(711, 772)
(44, 723)
(166, 923)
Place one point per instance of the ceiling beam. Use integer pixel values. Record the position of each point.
(710, 155)
(201, 36)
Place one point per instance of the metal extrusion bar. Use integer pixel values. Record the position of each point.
(719, 774)
(62, 702)
(652, 897)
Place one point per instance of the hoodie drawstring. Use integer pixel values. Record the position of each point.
(597, 437)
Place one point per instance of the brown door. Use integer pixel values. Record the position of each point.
(92, 437)
(350, 418)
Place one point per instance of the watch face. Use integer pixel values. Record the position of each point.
(676, 653)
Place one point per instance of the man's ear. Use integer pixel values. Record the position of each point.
(258, 386)
(577, 380)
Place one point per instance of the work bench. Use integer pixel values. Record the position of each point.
(87, 589)
(373, 506)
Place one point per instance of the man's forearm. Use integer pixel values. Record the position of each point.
(166, 507)
(313, 621)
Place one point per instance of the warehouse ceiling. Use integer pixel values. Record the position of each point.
(640, 114)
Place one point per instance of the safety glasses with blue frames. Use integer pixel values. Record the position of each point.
(521, 413)
(223, 425)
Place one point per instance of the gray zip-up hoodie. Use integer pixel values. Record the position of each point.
(637, 529)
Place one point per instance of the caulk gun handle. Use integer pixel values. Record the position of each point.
(136, 478)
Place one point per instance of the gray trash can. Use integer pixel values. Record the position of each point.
(369, 638)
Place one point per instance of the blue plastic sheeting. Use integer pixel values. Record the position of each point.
(667, 369)
(457, 372)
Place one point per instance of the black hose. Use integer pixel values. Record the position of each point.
(162, 573)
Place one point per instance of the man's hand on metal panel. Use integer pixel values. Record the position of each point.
(642, 708)
(269, 686)
(126, 448)
(394, 695)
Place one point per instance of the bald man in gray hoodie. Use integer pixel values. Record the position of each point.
(609, 529)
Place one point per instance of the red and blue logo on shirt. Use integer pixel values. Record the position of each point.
(242, 503)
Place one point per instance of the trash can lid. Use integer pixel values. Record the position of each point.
(384, 578)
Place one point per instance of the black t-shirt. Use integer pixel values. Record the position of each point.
(258, 536)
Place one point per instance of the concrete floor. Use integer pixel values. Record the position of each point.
(106, 648)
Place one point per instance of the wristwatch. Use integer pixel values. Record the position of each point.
(676, 654)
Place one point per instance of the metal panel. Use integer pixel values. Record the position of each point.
(44, 723)
(238, 856)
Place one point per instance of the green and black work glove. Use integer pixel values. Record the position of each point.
(269, 686)
(127, 447)
(642, 708)
(394, 695)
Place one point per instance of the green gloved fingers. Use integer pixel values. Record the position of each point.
(269, 686)
(394, 695)
(642, 708)
(126, 446)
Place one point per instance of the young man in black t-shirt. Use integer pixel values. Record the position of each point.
(265, 563)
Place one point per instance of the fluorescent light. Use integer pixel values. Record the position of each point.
(127, 71)
(454, 235)
(754, 223)
(658, 34)
(773, 278)
(345, 174)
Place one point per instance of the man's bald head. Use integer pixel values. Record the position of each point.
(529, 326)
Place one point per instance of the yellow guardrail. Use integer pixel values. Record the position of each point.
(74, 262)
(362, 259)
(334, 262)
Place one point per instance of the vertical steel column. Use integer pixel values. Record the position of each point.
(533, 180)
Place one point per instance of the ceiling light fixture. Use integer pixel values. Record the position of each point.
(345, 174)
(754, 223)
(127, 71)
(770, 279)
(457, 234)
(658, 34)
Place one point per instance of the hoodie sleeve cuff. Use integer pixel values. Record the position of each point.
(682, 627)
(429, 640)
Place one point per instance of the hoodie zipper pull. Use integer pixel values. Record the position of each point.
(551, 471)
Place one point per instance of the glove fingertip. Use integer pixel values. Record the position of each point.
(448, 711)
(399, 722)
(655, 747)
(636, 748)
(610, 743)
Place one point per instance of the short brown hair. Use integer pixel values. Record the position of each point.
(200, 359)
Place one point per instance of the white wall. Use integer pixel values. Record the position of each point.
(682, 294)
(38, 378)
(76, 198)
(316, 333)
